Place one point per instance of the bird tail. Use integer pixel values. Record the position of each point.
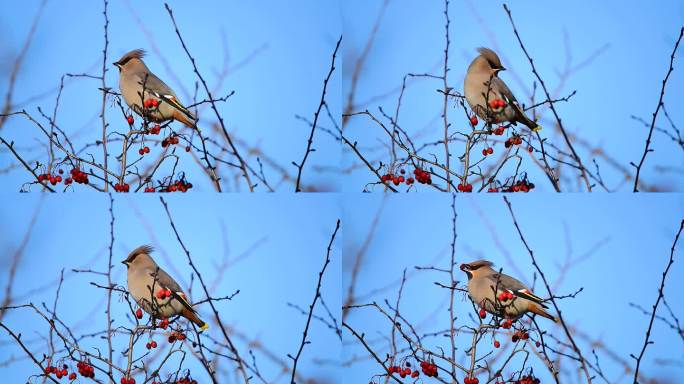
(185, 119)
(192, 316)
(521, 117)
(534, 308)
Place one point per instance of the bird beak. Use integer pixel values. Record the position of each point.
(116, 63)
(125, 263)
(502, 69)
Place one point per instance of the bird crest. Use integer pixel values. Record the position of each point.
(143, 249)
(491, 57)
(134, 54)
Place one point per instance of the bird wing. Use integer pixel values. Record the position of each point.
(499, 86)
(167, 282)
(502, 89)
(514, 286)
(158, 88)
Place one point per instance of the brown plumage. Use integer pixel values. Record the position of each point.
(138, 84)
(146, 279)
(485, 285)
(482, 86)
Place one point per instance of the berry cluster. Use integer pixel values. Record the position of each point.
(429, 369)
(470, 380)
(521, 186)
(151, 103)
(173, 139)
(503, 296)
(186, 380)
(527, 380)
(78, 176)
(164, 323)
(85, 369)
(180, 336)
(151, 344)
(59, 372)
(520, 335)
(487, 151)
(498, 131)
(406, 371)
(178, 186)
(163, 294)
(154, 130)
(422, 176)
(122, 187)
(513, 140)
(465, 187)
(127, 380)
(53, 179)
(143, 150)
(497, 103)
(397, 179)
(507, 324)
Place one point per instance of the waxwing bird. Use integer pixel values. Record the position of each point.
(500, 294)
(155, 291)
(488, 96)
(134, 76)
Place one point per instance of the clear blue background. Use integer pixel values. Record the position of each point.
(630, 237)
(623, 80)
(287, 251)
(288, 47)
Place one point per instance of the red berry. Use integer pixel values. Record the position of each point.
(141, 151)
(187, 149)
(153, 344)
(484, 152)
(473, 120)
(402, 171)
(72, 376)
(497, 344)
(146, 149)
(415, 374)
(155, 103)
(130, 119)
(483, 314)
(138, 313)
(490, 150)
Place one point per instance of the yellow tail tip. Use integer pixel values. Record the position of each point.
(204, 327)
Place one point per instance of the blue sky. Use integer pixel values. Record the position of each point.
(635, 40)
(627, 240)
(287, 60)
(286, 251)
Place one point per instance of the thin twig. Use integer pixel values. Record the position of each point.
(300, 166)
(295, 359)
(655, 114)
(655, 306)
